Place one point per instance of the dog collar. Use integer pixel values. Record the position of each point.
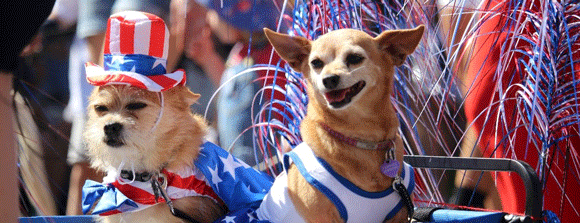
(359, 143)
(390, 167)
(130, 175)
(159, 186)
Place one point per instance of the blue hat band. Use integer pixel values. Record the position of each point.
(137, 63)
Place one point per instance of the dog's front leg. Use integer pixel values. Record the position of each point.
(312, 205)
(202, 209)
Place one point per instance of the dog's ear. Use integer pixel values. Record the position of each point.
(189, 97)
(400, 43)
(293, 49)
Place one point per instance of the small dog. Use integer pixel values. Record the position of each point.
(141, 131)
(125, 130)
(350, 82)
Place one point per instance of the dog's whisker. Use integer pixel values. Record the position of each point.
(350, 72)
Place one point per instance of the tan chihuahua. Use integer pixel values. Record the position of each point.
(350, 130)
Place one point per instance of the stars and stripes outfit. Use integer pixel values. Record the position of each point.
(217, 174)
(139, 195)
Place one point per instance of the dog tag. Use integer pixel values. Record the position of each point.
(390, 168)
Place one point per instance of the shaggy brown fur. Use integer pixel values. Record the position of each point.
(146, 147)
(355, 57)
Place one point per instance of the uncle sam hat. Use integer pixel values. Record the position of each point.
(135, 53)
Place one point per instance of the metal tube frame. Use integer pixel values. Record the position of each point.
(525, 171)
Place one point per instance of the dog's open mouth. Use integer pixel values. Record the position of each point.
(114, 141)
(339, 98)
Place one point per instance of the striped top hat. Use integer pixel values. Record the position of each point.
(136, 46)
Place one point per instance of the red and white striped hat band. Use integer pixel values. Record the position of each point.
(135, 53)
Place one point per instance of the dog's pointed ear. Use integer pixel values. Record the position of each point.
(190, 97)
(293, 49)
(400, 43)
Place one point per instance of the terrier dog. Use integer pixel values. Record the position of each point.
(121, 132)
(351, 153)
(141, 131)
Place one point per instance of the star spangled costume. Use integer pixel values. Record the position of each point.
(240, 186)
(122, 195)
(217, 174)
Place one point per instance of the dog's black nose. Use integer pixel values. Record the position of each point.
(331, 82)
(113, 129)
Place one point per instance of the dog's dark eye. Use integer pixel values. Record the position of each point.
(317, 63)
(101, 108)
(354, 59)
(135, 106)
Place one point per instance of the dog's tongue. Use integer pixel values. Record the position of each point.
(336, 96)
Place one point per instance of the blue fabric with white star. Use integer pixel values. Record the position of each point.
(241, 187)
(137, 63)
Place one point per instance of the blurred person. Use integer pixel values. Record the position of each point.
(74, 113)
(457, 20)
(41, 131)
(242, 22)
(203, 58)
(20, 23)
(500, 131)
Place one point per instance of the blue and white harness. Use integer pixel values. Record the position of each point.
(353, 203)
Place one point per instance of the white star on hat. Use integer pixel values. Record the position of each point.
(157, 62)
(120, 58)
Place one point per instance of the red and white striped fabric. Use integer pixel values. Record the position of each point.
(135, 53)
(184, 183)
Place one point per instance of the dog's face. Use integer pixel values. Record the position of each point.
(341, 67)
(126, 125)
(348, 68)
